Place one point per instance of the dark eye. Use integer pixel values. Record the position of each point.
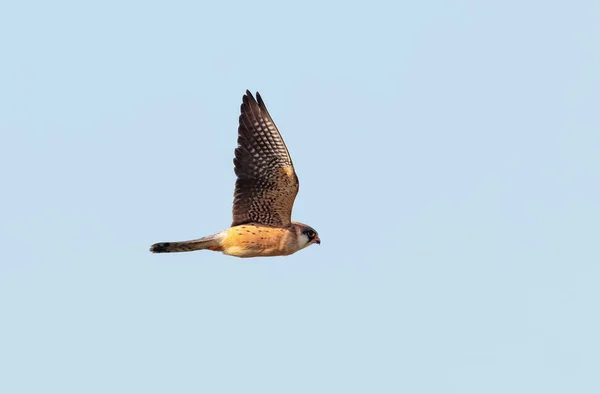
(310, 234)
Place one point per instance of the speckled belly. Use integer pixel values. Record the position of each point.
(253, 240)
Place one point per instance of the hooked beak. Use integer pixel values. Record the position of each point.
(318, 241)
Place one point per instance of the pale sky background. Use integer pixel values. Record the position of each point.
(448, 155)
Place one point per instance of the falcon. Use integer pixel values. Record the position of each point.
(265, 190)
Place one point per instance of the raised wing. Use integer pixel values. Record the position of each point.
(266, 183)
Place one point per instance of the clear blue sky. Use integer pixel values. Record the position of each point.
(448, 155)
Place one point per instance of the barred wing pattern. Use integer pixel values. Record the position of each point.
(266, 183)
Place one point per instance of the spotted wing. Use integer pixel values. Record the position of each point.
(266, 183)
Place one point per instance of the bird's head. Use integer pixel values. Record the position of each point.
(306, 235)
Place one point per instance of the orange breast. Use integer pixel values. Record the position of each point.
(253, 240)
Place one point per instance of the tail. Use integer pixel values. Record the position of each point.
(212, 242)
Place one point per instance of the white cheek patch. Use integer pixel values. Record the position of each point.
(302, 241)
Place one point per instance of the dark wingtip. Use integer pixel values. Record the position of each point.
(248, 97)
(247, 101)
(161, 247)
(261, 103)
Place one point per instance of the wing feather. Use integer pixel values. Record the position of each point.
(266, 184)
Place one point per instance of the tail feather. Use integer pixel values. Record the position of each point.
(211, 242)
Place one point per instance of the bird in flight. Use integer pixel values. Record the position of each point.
(265, 190)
